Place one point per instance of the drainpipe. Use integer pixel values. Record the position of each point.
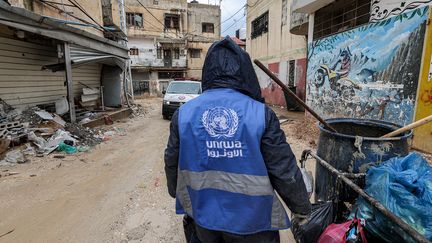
(311, 28)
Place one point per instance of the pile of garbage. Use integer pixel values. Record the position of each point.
(403, 185)
(37, 132)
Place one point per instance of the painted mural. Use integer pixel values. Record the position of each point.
(369, 72)
(383, 9)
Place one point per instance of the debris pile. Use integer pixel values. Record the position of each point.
(138, 110)
(37, 132)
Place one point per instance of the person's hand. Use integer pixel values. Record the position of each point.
(300, 219)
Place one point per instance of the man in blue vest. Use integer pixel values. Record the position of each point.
(226, 156)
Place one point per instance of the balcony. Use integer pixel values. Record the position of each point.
(309, 6)
(299, 22)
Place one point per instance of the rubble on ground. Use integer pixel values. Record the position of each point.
(38, 132)
(138, 110)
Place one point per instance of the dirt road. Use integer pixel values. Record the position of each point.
(115, 193)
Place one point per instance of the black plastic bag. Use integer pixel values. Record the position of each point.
(322, 215)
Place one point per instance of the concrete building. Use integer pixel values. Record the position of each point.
(369, 59)
(51, 50)
(168, 39)
(204, 28)
(269, 40)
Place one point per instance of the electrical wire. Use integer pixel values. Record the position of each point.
(80, 19)
(83, 11)
(236, 22)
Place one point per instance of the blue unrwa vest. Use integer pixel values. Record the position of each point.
(223, 182)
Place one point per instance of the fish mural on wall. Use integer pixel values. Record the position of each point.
(369, 72)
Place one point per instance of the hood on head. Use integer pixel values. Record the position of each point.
(228, 66)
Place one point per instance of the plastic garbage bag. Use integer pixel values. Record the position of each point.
(67, 148)
(15, 156)
(404, 186)
(349, 232)
(321, 216)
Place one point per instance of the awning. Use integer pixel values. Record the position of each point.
(82, 55)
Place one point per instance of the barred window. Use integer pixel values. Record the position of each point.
(134, 51)
(341, 16)
(134, 19)
(260, 25)
(172, 21)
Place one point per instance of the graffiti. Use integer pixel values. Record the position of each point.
(383, 9)
(426, 97)
(368, 72)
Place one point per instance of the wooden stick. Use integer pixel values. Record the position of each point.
(285, 89)
(416, 124)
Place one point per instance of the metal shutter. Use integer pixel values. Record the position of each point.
(88, 74)
(22, 82)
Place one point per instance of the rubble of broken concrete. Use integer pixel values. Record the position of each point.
(35, 131)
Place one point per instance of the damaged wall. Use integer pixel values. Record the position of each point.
(369, 72)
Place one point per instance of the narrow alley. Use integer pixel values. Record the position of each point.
(116, 192)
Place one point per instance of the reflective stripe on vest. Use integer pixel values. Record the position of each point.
(236, 183)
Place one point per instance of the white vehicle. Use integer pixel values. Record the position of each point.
(178, 93)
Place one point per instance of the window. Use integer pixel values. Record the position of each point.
(170, 75)
(291, 73)
(134, 19)
(207, 28)
(341, 16)
(155, 2)
(176, 53)
(284, 12)
(159, 53)
(195, 53)
(260, 25)
(172, 21)
(134, 51)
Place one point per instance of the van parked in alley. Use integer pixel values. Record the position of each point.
(178, 93)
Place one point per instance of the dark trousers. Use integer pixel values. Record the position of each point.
(197, 234)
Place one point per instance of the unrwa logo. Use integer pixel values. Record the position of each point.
(220, 122)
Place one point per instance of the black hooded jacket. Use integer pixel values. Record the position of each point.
(228, 66)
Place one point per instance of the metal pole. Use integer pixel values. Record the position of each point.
(375, 203)
(102, 97)
(68, 71)
(299, 101)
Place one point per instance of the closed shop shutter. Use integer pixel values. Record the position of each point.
(86, 75)
(22, 82)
